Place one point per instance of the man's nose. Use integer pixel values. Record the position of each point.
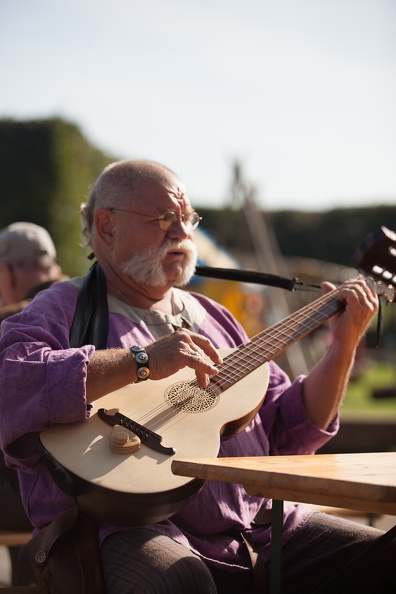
(179, 230)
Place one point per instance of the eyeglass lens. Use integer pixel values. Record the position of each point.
(170, 219)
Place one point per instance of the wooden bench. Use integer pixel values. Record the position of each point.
(14, 539)
(343, 512)
(20, 589)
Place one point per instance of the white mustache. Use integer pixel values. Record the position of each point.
(185, 245)
(147, 266)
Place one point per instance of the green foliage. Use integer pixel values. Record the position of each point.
(330, 236)
(360, 394)
(46, 170)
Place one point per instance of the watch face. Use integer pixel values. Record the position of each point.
(141, 357)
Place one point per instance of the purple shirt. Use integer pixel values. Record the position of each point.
(43, 383)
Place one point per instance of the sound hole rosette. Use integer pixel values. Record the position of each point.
(189, 397)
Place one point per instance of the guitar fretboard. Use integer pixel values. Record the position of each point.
(277, 338)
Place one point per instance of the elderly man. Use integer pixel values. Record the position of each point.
(139, 223)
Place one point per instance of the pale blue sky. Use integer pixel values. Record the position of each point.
(302, 92)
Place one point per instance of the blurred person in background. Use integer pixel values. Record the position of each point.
(27, 265)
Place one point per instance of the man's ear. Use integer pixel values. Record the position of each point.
(104, 224)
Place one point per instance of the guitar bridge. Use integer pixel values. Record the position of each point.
(149, 438)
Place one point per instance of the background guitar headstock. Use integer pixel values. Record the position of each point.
(376, 257)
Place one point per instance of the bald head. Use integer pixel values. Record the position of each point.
(117, 183)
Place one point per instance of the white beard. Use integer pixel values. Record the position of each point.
(147, 269)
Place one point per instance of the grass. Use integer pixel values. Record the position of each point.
(359, 400)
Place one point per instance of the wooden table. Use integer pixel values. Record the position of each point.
(365, 482)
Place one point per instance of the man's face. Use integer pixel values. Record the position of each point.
(147, 268)
(150, 255)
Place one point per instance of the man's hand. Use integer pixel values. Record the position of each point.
(361, 303)
(183, 349)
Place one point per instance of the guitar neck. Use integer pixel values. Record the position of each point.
(276, 339)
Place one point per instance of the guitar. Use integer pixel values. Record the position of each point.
(173, 418)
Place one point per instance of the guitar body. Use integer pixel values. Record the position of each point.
(139, 487)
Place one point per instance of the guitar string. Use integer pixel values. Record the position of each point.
(271, 342)
(260, 350)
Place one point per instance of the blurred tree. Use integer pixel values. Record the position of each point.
(330, 236)
(46, 170)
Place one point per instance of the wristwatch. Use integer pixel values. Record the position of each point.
(142, 361)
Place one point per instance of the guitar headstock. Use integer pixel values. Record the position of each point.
(376, 257)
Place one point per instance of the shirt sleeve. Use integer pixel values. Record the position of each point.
(43, 379)
(286, 424)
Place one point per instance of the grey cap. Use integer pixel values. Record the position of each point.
(22, 242)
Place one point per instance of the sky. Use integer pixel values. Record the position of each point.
(300, 93)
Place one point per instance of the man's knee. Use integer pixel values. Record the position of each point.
(141, 561)
(190, 574)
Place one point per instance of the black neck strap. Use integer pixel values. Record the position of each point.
(91, 319)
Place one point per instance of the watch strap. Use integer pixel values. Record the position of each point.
(142, 361)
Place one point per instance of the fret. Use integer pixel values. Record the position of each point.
(273, 341)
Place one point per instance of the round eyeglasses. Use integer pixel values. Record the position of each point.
(168, 220)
